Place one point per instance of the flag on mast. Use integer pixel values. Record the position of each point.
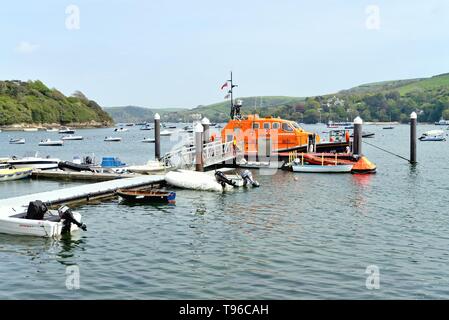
(224, 85)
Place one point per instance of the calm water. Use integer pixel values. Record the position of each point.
(297, 236)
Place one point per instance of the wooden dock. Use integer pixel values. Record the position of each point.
(81, 193)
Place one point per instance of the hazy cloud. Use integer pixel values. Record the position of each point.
(25, 47)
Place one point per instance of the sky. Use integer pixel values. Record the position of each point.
(176, 53)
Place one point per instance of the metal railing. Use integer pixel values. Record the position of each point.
(213, 153)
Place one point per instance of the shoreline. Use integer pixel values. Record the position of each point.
(45, 126)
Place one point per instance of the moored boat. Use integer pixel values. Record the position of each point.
(11, 173)
(166, 133)
(147, 196)
(148, 140)
(34, 162)
(40, 222)
(17, 141)
(433, 135)
(51, 143)
(314, 168)
(112, 139)
(70, 137)
(66, 130)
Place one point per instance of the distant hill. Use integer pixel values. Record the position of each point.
(380, 101)
(32, 102)
(134, 114)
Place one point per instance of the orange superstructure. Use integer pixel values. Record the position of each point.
(276, 133)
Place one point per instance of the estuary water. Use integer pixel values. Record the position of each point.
(298, 236)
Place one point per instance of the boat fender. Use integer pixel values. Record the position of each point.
(66, 214)
(247, 177)
(223, 180)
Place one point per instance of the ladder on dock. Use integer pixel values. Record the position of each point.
(214, 153)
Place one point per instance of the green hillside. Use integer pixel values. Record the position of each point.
(380, 101)
(34, 103)
(134, 114)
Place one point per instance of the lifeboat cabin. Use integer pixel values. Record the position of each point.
(274, 134)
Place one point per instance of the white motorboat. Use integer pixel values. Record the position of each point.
(166, 133)
(70, 137)
(120, 130)
(17, 141)
(150, 168)
(29, 129)
(38, 221)
(112, 139)
(51, 143)
(146, 127)
(66, 130)
(433, 135)
(52, 130)
(148, 140)
(9, 174)
(34, 162)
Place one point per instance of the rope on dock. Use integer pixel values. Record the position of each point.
(392, 153)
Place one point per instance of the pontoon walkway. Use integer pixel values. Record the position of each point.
(17, 205)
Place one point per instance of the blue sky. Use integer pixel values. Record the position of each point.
(178, 53)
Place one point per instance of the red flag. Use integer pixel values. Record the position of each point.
(227, 96)
(224, 85)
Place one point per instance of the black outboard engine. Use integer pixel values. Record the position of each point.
(66, 214)
(36, 210)
(247, 177)
(223, 180)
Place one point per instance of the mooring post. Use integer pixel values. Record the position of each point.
(157, 136)
(206, 127)
(198, 129)
(357, 140)
(413, 123)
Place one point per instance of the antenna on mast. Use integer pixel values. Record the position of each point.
(231, 91)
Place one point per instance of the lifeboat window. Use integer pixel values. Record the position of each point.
(266, 125)
(276, 125)
(256, 125)
(287, 127)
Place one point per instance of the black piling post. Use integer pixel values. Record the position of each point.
(413, 123)
(357, 140)
(198, 129)
(157, 136)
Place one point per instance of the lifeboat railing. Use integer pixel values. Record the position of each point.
(214, 153)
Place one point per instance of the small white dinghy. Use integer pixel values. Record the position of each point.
(70, 137)
(112, 139)
(165, 133)
(314, 168)
(148, 140)
(51, 143)
(17, 141)
(40, 222)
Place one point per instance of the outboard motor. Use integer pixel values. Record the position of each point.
(247, 177)
(66, 214)
(36, 210)
(223, 180)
